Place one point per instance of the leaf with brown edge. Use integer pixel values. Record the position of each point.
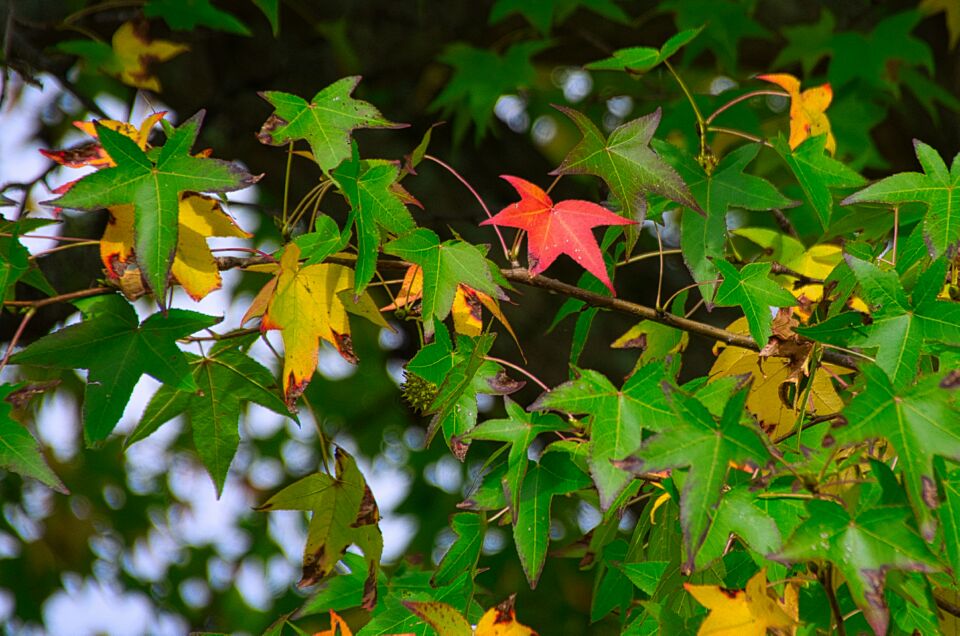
(344, 514)
(307, 305)
(466, 308)
(92, 153)
(748, 612)
(558, 228)
(808, 116)
(129, 56)
(772, 376)
(502, 621)
(193, 266)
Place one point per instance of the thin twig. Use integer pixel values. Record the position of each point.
(947, 606)
(826, 580)
(16, 336)
(62, 298)
(646, 255)
(739, 133)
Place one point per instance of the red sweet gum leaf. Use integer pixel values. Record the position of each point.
(555, 229)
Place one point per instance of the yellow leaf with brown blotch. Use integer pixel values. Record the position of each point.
(502, 621)
(808, 116)
(93, 154)
(338, 627)
(776, 392)
(134, 52)
(466, 309)
(749, 612)
(193, 267)
(307, 305)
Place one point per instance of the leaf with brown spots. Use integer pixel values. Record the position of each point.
(863, 548)
(344, 514)
(808, 116)
(919, 422)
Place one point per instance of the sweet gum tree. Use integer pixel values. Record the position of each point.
(691, 366)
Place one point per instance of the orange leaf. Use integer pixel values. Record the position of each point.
(502, 621)
(307, 305)
(338, 627)
(748, 612)
(807, 109)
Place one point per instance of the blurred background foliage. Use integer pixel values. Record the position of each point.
(141, 540)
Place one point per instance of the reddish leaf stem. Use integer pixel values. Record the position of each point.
(486, 210)
(62, 298)
(16, 336)
(518, 368)
(742, 98)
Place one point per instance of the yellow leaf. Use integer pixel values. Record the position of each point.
(193, 265)
(306, 305)
(502, 621)
(133, 51)
(952, 9)
(467, 316)
(93, 154)
(338, 627)
(773, 379)
(807, 109)
(749, 612)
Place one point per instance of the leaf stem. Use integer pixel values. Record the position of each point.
(685, 288)
(60, 248)
(646, 255)
(286, 185)
(739, 133)
(486, 210)
(701, 122)
(16, 336)
(742, 98)
(516, 367)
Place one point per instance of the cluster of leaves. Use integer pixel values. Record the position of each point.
(813, 469)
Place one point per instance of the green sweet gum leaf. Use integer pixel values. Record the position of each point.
(153, 185)
(116, 349)
(326, 122)
(225, 379)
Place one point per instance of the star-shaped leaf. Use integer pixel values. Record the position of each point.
(729, 22)
(863, 548)
(129, 55)
(898, 327)
(919, 424)
(309, 304)
(752, 290)
(618, 419)
(463, 554)
(19, 450)
(640, 59)
(225, 378)
(625, 162)
(557, 228)
(518, 429)
(153, 185)
(187, 15)
(749, 612)
(480, 77)
(376, 208)
(344, 514)
(555, 474)
(325, 122)
(445, 266)
(706, 446)
(726, 186)
(935, 187)
(544, 13)
(808, 116)
(117, 349)
(817, 173)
